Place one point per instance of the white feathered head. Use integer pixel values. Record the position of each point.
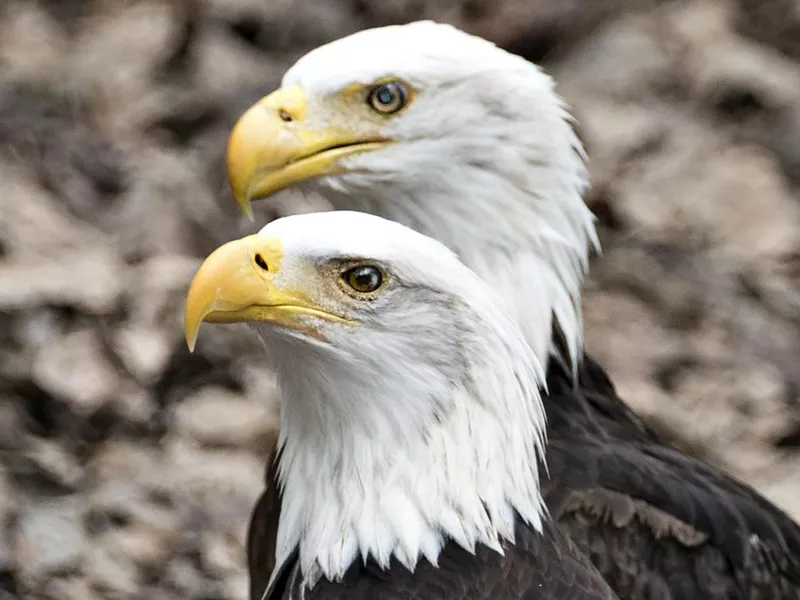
(448, 134)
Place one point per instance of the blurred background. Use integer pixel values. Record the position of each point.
(128, 466)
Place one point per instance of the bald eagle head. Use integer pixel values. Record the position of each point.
(448, 134)
(410, 412)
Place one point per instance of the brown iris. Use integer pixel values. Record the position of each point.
(388, 98)
(363, 279)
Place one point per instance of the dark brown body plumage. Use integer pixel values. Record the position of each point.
(656, 523)
(539, 566)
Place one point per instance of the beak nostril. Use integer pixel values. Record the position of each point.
(284, 115)
(261, 262)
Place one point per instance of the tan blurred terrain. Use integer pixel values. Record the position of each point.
(128, 466)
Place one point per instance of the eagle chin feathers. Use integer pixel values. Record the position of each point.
(436, 438)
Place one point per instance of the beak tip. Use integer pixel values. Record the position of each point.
(247, 209)
(243, 200)
(191, 324)
(191, 340)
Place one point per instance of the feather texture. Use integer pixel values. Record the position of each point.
(484, 159)
(421, 423)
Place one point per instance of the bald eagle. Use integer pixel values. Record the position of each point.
(464, 142)
(411, 422)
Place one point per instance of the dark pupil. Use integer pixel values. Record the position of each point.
(385, 95)
(366, 278)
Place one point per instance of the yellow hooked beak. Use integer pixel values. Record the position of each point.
(273, 146)
(236, 283)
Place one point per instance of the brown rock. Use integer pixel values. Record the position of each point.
(718, 58)
(54, 464)
(74, 368)
(630, 322)
(48, 131)
(109, 574)
(8, 501)
(35, 225)
(120, 502)
(143, 547)
(226, 65)
(50, 537)
(7, 510)
(74, 587)
(236, 586)
(135, 406)
(663, 195)
(32, 45)
(776, 23)
(624, 61)
(117, 52)
(161, 205)
(90, 280)
(144, 350)
(182, 575)
(158, 289)
(288, 26)
(222, 485)
(217, 417)
(120, 459)
(757, 396)
(12, 431)
(221, 556)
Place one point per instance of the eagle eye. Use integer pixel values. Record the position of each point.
(388, 98)
(363, 279)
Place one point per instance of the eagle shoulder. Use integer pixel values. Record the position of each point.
(656, 522)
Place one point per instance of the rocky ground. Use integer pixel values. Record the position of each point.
(128, 466)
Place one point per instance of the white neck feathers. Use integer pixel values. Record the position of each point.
(504, 192)
(381, 463)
